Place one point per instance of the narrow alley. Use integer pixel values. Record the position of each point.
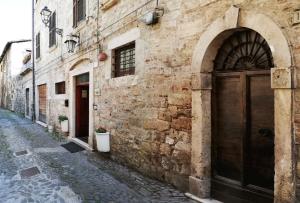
(56, 175)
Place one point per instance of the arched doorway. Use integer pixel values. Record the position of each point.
(243, 120)
(282, 81)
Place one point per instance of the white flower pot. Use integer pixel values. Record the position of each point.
(103, 142)
(64, 126)
(50, 128)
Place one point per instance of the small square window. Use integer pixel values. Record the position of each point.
(125, 60)
(60, 88)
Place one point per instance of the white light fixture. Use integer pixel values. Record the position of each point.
(71, 42)
(46, 14)
(152, 17)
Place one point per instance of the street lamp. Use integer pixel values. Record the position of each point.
(46, 14)
(71, 42)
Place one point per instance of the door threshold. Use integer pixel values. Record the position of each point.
(42, 124)
(81, 143)
(193, 197)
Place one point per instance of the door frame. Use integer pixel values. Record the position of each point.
(281, 81)
(81, 67)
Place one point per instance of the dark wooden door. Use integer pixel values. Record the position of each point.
(82, 111)
(27, 102)
(42, 103)
(243, 137)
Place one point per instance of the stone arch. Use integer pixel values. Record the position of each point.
(202, 67)
(80, 61)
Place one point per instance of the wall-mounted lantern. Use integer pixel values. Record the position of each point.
(46, 15)
(71, 42)
(153, 16)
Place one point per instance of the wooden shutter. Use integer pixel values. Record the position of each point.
(42, 102)
(81, 10)
(52, 30)
(38, 45)
(75, 13)
(27, 101)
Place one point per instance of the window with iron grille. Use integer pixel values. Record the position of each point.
(78, 11)
(52, 30)
(125, 60)
(38, 45)
(60, 88)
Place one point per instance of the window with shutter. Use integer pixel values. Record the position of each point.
(78, 11)
(52, 30)
(38, 45)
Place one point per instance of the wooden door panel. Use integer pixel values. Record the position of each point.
(82, 111)
(260, 137)
(229, 127)
(243, 141)
(42, 102)
(27, 101)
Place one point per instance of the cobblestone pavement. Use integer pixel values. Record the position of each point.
(66, 177)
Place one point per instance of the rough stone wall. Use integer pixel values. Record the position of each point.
(148, 114)
(54, 64)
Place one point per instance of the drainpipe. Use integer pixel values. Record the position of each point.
(33, 67)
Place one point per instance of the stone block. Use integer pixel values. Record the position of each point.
(170, 141)
(281, 78)
(199, 187)
(165, 149)
(182, 123)
(183, 146)
(180, 99)
(201, 81)
(155, 124)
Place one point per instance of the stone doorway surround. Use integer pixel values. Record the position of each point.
(82, 66)
(282, 83)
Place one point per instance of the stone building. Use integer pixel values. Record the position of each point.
(11, 82)
(200, 94)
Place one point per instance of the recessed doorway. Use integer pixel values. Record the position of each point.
(82, 107)
(243, 120)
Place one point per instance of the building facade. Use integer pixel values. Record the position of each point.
(200, 94)
(12, 63)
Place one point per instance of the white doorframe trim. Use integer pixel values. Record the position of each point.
(81, 69)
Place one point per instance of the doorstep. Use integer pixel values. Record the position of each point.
(42, 124)
(81, 143)
(191, 196)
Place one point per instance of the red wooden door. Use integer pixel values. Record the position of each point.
(82, 111)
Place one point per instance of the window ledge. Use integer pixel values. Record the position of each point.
(124, 81)
(38, 59)
(51, 49)
(80, 25)
(107, 4)
(60, 97)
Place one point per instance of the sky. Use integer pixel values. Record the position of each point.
(15, 20)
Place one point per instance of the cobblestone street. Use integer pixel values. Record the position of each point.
(66, 177)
